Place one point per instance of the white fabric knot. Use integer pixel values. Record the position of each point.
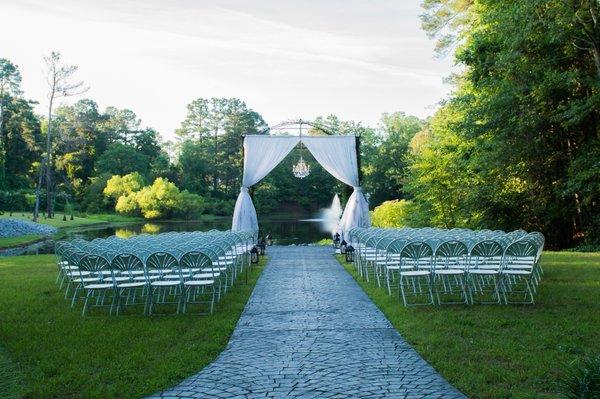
(359, 189)
(244, 189)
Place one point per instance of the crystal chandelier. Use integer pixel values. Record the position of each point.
(301, 169)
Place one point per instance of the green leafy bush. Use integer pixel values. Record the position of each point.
(393, 213)
(189, 205)
(160, 200)
(13, 201)
(93, 200)
(127, 204)
(118, 186)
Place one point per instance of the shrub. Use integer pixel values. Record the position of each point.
(13, 201)
(159, 200)
(118, 186)
(127, 204)
(93, 200)
(393, 213)
(219, 207)
(189, 205)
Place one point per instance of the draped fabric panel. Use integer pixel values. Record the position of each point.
(356, 213)
(337, 155)
(261, 155)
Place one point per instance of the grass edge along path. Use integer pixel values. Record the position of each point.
(61, 354)
(507, 351)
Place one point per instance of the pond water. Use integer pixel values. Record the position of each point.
(284, 230)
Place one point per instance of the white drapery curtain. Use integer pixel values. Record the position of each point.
(261, 155)
(337, 154)
(356, 213)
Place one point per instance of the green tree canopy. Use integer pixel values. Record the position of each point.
(213, 130)
(508, 149)
(122, 159)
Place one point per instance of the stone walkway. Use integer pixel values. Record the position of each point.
(310, 331)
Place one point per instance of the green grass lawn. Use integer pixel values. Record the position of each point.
(508, 351)
(48, 350)
(21, 240)
(10, 377)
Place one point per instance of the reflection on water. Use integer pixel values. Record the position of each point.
(124, 233)
(284, 231)
(129, 231)
(151, 228)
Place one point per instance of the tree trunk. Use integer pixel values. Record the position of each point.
(48, 163)
(2, 151)
(38, 188)
(215, 162)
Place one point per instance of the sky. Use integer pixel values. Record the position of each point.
(286, 59)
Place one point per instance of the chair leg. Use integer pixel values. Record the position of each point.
(87, 296)
(116, 301)
(212, 300)
(77, 287)
(401, 290)
(148, 305)
(387, 281)
(67, 289)
(187, 299)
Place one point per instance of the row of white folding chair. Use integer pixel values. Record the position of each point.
(462, 267)
(162, 275)
(142, 252)
(375, 248)
(81, 280)
(368, 255)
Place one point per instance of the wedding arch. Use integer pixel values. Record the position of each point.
(337, 154)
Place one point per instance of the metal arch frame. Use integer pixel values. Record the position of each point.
(282, 126)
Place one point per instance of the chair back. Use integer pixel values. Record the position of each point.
(451, 255)
(486, 254)
(416, 255)
(127, 263)
(520, 255)
(163, 262)
(196, 260)
(97, 265)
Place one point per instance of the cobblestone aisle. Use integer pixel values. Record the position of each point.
(310, 331)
